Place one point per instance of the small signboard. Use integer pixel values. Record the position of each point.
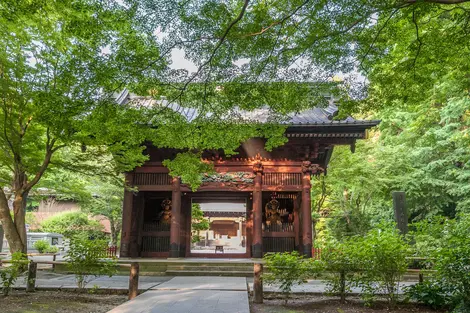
(401, 212)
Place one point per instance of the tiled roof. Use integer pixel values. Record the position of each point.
(314, 116)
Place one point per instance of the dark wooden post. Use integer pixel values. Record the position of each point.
(134, 280)
(306, 210)
(126, 219)
(1, 238)
(401, 214)
(175, 219)
(257, 251)
(258, 283)
(54, 258)
(136, 225)
(31, 282)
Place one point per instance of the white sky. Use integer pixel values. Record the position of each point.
(180, 62)
(223, 207)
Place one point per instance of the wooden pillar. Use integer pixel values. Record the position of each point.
(136, 225)
(306, 210)
(257, 251)
(297, 222)
(175, 219)
(184, 216)
(31, 282)
(258, 283)
(188, 227)
(134, 280)
(126, 219)
(249, 227)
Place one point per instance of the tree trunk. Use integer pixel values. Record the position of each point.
(9, 227)
(314, 230)
(15, 228)
(114, 228)
(20, 195)
(19, 211)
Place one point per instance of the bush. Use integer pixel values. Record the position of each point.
(449, 245)
(52, 249)
(383, 254)
(9, 274)
(453, 263)
(71, 224)
(430, 293)
(338, 260)
(84, 259)
(287, 270)
(349, 218)
(42, 246)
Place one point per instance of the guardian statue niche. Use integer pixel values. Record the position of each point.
(272, 213)
(165, 214)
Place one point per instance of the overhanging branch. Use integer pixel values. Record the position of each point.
(219, 44)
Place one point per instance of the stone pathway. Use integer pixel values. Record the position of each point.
(315, 287)
(48, 280)
(192, 294)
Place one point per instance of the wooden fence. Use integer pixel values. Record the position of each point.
(111, 252)
(32, 270)
(316, 253)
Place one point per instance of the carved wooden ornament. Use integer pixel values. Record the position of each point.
(165, 215)
(308, 167)
(272, 213)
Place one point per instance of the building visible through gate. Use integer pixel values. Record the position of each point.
(257, 202)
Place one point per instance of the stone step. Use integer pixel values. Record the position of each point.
(209, 273)
(202, 264)
(209, 268)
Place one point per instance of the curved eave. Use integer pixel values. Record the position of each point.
(335, 129)
(348, 123)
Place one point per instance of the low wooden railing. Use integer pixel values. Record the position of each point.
(32, 271)
(258, 281)
(111, 252)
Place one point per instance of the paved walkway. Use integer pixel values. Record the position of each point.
(192, 294)
(49, 280)
(316, 287)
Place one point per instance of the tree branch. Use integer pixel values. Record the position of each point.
(50, 149)
(437, 1)
(417, 38)
(281, 21)
(219, 44)
(377, 36)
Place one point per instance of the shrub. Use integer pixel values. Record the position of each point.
(52, 249)
(430, 293)
(84, 259)
(427, 235)
(350, 217)
(453, 263)
(42, 246)
(383, 254)
(9, 274)
(287, 270)
(71, 224)
(338, 260)
(448, 243)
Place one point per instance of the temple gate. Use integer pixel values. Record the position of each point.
(271, 190)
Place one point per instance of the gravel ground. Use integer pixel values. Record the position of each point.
(321, 304)
(58, 301)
